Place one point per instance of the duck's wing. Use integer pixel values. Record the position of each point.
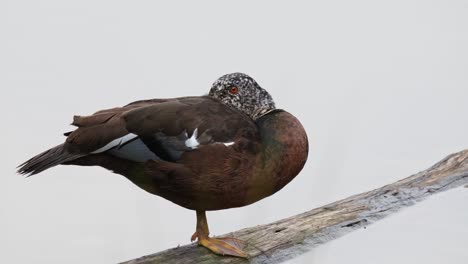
(164, 130)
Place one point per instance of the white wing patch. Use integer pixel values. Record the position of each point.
(192, 142)
(131, 147)
(115, 143)
(128, 147)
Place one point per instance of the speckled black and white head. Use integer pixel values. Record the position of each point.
(240, 91)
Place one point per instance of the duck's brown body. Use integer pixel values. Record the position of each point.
(212, 177)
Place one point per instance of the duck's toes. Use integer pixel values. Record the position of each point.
(225, 246)
(194, 237)
(237, 243)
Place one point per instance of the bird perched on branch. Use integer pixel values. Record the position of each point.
(228, 149)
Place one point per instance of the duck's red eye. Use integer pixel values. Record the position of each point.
(233, 90)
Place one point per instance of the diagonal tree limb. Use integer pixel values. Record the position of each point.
(290, 237)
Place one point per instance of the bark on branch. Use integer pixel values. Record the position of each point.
(290, 237)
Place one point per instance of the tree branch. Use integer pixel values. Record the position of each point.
(290, 237)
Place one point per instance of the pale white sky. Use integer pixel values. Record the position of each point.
(381, 88)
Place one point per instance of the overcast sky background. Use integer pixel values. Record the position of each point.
(380, 86)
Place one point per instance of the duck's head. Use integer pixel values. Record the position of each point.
(240, 91)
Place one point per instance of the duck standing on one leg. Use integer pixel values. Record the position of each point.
(228, 149)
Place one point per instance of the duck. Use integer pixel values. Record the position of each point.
(229, 148)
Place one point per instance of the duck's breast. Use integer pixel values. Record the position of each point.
(284, 151)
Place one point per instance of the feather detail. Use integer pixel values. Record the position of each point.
(116, 143)
(192, 142)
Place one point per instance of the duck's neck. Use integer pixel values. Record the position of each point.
(259, 112)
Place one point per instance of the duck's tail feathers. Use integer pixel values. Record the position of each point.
(47, 159)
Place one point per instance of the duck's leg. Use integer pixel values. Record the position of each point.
(223, 245)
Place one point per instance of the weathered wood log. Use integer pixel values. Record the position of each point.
(290, 237)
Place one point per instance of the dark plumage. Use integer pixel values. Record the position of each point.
(228, 149)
